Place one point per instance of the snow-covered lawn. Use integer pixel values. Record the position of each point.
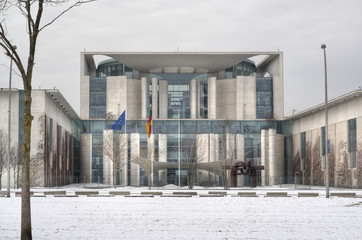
(194, 217)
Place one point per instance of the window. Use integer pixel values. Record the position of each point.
(97, 98)
(352, 142)
(303, 151)
(323, 147)
(264, 97)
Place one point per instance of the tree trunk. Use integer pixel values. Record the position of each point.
(25, 186)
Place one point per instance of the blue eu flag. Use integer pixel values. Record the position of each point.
(117, 125)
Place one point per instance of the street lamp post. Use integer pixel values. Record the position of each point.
(9, 122)
(323, 46)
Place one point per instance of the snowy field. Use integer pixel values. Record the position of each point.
(194, 217)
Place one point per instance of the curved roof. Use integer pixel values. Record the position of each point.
(200, 61)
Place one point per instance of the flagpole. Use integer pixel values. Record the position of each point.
(179, 151)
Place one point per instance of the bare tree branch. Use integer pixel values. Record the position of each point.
(78, 3)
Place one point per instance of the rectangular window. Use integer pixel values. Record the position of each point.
(352, 142)
(50, 135)
(323, 147)
(264, 97)
(97, 98)
(303, 151)
(323, 141)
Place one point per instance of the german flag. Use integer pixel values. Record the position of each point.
(149, 126)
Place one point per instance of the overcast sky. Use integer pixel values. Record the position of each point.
(297, 28)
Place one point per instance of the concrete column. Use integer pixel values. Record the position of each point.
(154, 98)
(163, 99)
(264, 151)
(230, 146)
(276, 157)
(117, 95)
(194, 99)
(107, 157)
(86, 157)
(214, 152)
(143, 98)
(249, 97)
(198, 104)
(278, 97)
(135, 152)
(123, 144)
(239, 98)
(202, 147)
(84, 97)
(212, 98)
(240, 156)
(202, 153)
(162, 157)
(151, 154)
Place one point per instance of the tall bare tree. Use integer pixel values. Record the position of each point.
(148, 153)
(3, 153)
(32, 11)
(344, 174)
(358, 171)
(193, 153)
(114, 146)
(227, 157)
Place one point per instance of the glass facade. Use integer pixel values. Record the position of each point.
(179, 93)
(97, 98)
(97, 157)
(303, 150)
(188, 130)
(113, 68)
(244, 68)
(352, 142)
(264, 98)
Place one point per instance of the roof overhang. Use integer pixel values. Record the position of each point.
(199, 61)
(63, 104)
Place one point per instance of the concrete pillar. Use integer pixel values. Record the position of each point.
(86, 157)
(239, 98)
(154, 98)
(135, 152)
(198, 104)
(194, 99)
(123, 145)
(162, 157)
(107, 157)
(151, 154)
(117, 96)
(212, 98)
(240, 156)
(143, 98)
(276, 157)
(230, 146)
(163, 92)
(264, 151)
(202, 153)
(249, 97)
(214, 152)
(278, 97)
(202, 147)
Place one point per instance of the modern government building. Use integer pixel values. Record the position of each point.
(209, 108)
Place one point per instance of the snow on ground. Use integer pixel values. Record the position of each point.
(194, 217)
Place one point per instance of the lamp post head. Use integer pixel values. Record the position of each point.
(323, 46)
